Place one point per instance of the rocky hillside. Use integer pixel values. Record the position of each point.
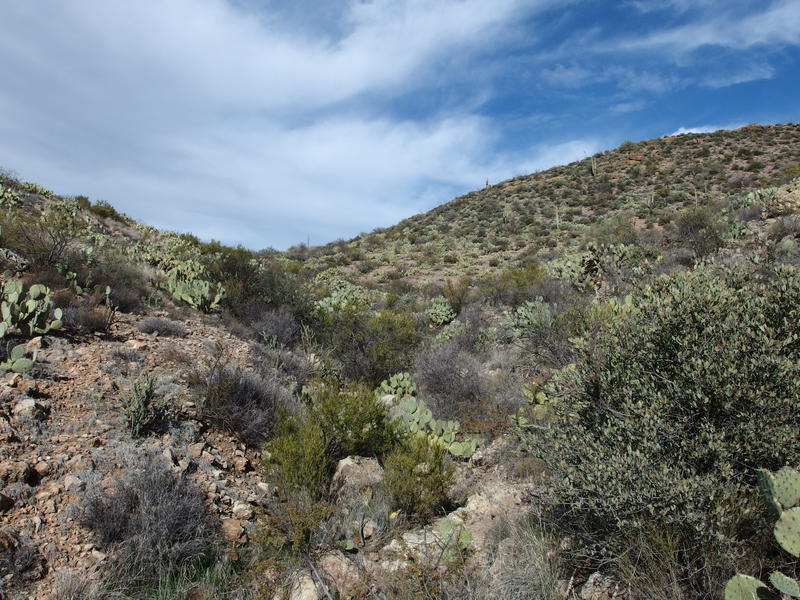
(536, 216)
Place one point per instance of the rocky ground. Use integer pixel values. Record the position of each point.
(64, 435)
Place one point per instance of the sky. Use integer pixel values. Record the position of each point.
(269, 123)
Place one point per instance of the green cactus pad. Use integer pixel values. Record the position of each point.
(787, 487)
(22, 365)
(787, 531)
(408, 404)
(785, 585)
(17, 352)
(744, 587)
(766, 483)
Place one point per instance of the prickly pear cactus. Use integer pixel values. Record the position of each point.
(785, 585)
(781, 491)
(399, 385)
(787, 531)
(17, 361)
(27, 310)
(417, 418)
(786, 487)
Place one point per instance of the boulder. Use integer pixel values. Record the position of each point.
(356, 474)
(16, 472)
(28, 408)
(304, 588)
(232, 530)
(342, 573)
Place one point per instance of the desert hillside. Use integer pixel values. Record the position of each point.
(571, 384)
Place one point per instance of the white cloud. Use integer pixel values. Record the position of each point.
(195, 115)
(753, 73)
(705, 128)
(778, 23)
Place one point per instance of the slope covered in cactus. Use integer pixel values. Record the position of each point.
(781, 491)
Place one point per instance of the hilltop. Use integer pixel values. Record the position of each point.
(561, 385)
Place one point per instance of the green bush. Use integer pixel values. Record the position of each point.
(673, 407)
(370, 347)
(138, 405)
(355, 423)
(392, 338)
(513, 286)
(298, 462)
(701, 229)
(417, 475)
(104, 210)
(337, 422)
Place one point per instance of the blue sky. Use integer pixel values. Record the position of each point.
(267, 122)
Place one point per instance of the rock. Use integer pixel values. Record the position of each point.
(368, 530)
(79, 462)
(389, 400)
(232, 529)
(73, 483)
(28, 408)
(99, 556)
(241, 464)
(598, 587)
(304, 588)
(343, 573)
(169, 456)
(196, 450)
(6, 502)
(16, 472)
(356, 473)
(42, 468)
(34, 344)
(266, 489)
(242, 511)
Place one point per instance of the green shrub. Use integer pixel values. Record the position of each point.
(513, 286)
(355, 423)
(615, 230)
(298, 461)
(367, 346)
(673, 407)
(417, 475)
(701, 229)
(392, 338)
(104, 210)
(336, 422)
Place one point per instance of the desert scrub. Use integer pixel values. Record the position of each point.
(238, 400)
(700, 367)
(417, 475)
(163, 327)
(152, 521)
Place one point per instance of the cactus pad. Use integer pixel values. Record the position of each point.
(787, 531)
(744, 587)
(787, 487)
(785, 585)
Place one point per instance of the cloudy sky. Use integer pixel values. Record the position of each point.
(270, 122)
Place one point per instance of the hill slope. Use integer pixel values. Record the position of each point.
(532, 216)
